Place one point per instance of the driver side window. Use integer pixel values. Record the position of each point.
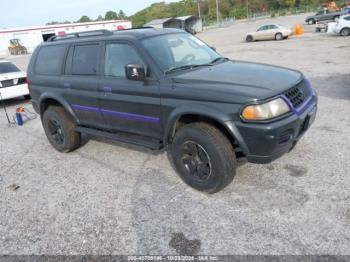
(263, 28)
(117, 56)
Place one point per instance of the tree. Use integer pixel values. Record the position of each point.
(84, 19)
(121, 14)
(289, 3)
(100, 18)
(111, 15)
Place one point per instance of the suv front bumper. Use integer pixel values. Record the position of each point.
(263, 143)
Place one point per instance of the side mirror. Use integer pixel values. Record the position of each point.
(135, 72)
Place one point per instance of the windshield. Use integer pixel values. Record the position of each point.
(6, 67)
(179, 50)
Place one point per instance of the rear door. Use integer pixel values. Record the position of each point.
(128, 105)
(273, 30)
(81, 80)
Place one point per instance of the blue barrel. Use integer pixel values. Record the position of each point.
(19, 119)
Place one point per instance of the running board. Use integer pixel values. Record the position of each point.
(147, 142)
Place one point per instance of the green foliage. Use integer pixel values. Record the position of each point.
(84, 19)
(227, 8)
(111, 15)
(121, 15)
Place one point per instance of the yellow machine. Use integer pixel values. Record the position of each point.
(16, 48)
(331, 6)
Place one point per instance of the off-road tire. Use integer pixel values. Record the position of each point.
(345, 31)
(249, 38)
(218, 148)
(279, 36)
(67, 125)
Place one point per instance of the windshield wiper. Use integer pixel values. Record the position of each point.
(185, 67)
(218, 59)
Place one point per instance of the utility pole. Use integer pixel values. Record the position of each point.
(217, 12)
(199, 8)
(247, 9)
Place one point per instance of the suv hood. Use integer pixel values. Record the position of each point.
(237, 81)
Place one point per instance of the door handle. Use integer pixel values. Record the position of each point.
(107, 89)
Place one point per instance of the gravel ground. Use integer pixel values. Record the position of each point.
(109, 198)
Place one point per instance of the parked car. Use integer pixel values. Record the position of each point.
(165, 89)
(270, 32)
(12, 81)
(324, 15)
(342, 27)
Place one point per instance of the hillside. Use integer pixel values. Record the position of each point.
(227, 8)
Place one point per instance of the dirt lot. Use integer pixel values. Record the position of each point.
(108, 198)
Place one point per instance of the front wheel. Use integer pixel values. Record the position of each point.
(203, 157)
(345, 32)
(60, 129)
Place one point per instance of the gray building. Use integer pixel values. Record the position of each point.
(192, 24)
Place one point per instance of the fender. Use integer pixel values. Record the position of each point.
(206, 111)
(57, 97)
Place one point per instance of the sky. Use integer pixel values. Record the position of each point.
(24, 13)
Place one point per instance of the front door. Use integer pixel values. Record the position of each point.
(128, 105)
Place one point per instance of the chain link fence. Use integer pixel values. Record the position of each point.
(253, 16)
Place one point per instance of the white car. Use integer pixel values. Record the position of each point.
(343, 26)
(270, 32)
(13, 81)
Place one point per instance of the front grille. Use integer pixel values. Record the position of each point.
(13, 82)
(297, 94)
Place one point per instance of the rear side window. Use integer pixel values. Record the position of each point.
(85, 59)
(49, 60)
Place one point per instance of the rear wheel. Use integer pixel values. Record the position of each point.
(249, 38)
(203, 157)
(60, 129)
(311, 21)
(279, 36)
(345, 32)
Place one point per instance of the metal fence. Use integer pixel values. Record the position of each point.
(252, 16)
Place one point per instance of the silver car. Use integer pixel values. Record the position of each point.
(270, 32)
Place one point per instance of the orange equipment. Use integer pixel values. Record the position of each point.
(298, 29)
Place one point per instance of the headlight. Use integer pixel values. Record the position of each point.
(266, 111)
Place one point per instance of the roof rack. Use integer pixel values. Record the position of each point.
(134, 28)
(80, 35)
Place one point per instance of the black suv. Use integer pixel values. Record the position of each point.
(166, 89)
